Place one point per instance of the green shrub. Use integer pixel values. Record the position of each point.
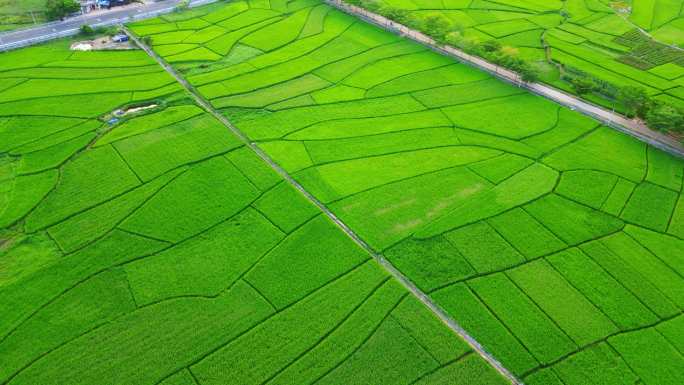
(583, 85)
(59, 9)
(663, 117)
(635, 99)
(87, 30)
(437, 26)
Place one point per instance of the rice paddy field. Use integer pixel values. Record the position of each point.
(624, 43)
(556, 242)
(160, 249)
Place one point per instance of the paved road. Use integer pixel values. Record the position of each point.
(24, 37)
(629, 126)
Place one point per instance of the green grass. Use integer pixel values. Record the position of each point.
(479, 243)
(632, 279)
(524, 186)
(533, 116)
(21, 14)
(603, 150)
(23, 193)
(598, 364)
(570, 310)
(650, 342)
(102, 167)
(615, 202)
(53, 156)
(650, 206)
(666, 247)
(345, 177)
(149, 122)
(387, 214)
(570, 221)
(615, 301)
(200, 266)
(526, 234)
(155, 152)
(471, 313)
(588, 187)
(85, 227)
(667, 280)
(196, 199)
(290, 217)
(545, 341)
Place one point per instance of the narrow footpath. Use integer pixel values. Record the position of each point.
(614, 120)
(387, 265)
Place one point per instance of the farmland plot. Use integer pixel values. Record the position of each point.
(554, 241)
(160, 250)
(601, 38)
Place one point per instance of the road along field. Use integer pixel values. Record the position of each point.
(637, 44)
(159, 249)
(555, 242)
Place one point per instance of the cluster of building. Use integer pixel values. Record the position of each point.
(91, 5)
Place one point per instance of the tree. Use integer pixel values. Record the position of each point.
(437, 26)
(527, 72)
(59, 9)
(583, 85)
(396, 14)
(87, 30)
(491, 46)
(663, 117)
(635, 99)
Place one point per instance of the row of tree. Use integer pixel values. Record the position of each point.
(445, 31)
(658, 115)
(59, 9)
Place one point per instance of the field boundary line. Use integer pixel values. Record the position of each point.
(611, 119)
(379, 258)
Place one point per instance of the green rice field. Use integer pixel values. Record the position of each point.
(161, 250)
(623, 43)
(158, 248)
(556, 242)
